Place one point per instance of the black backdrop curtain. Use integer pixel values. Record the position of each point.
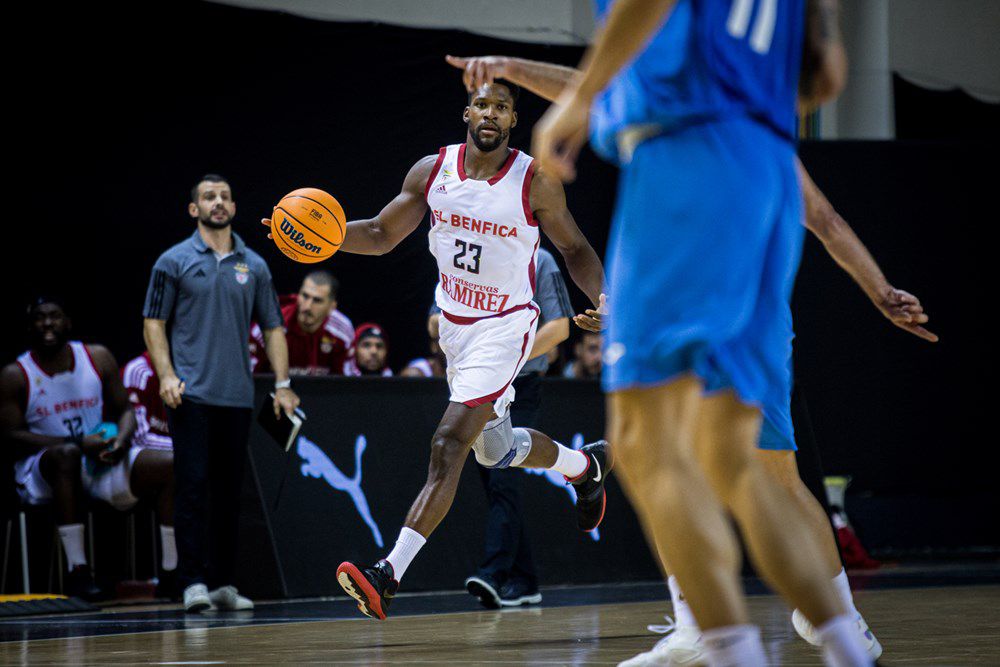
(923, 113)
(126, 111)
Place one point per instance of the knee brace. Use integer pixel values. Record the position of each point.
(500, 446)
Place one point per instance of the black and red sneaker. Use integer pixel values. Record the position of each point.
(373, 587)
(590, 497)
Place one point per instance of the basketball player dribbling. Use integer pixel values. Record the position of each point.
(488, 203)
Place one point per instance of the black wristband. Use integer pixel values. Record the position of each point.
(74, 440)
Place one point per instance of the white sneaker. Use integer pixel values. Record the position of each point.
(808, 632)
(228, 598)
(196, 598)
(681, 647)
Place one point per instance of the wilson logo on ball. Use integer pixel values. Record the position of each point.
(298, 238)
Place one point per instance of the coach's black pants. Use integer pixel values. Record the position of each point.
(210, 452)
(507, 551)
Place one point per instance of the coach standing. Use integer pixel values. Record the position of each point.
(202, 295)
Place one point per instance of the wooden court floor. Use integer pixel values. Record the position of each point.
(917, 626)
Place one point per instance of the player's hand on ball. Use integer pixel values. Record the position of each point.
(285, 400)
(560, 134)
(594, 320)
(267, 223)
(904, 310)
(479, 69)
(171, 390)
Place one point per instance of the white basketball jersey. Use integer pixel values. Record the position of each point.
(67, 404)
(483, 235)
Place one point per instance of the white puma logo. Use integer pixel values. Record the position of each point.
(318, 464)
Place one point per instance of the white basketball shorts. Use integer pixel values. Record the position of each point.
(111, 484)
(485, 355)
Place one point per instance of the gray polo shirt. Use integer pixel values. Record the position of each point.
(208, 304)
(552, 299)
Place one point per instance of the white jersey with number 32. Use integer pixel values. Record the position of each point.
(483, 235)
(65, 404)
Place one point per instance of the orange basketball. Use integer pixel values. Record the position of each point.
(308, 225)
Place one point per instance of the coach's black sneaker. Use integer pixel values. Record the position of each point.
(517, 592)
(484, 588)
(590, 498)
(80, 584)
(373, 587)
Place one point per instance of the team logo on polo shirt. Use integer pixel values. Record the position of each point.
(242, 273)
(326, 345)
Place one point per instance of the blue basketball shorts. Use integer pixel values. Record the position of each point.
(705, 244)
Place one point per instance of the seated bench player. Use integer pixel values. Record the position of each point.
(152, 439)
(53, 400)
(319, 336)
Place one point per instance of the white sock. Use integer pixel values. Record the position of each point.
(570, 462)
(407, 545)
(841, 644)
(169, 547)
(71, 536)
(734, 645)
(843, 586)
(682, 611)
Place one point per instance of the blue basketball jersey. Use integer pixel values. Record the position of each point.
(712, 59)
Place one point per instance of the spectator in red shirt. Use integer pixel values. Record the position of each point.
(369, 353)
(319, 336)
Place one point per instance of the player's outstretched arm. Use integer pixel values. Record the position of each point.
(901, 308)
(824, 60)
(394, 223)
(548, 205)
(546, 80)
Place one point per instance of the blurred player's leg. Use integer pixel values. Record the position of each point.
(653, 430)
(772, 525)
(781, 468)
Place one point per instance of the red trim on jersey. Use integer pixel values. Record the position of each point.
(531, 267)
(72, 367)
(505, 168)
(434, 173)
(496, 178)
(459, 319)
(461, 163)
(476, 402)
(529, 215)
